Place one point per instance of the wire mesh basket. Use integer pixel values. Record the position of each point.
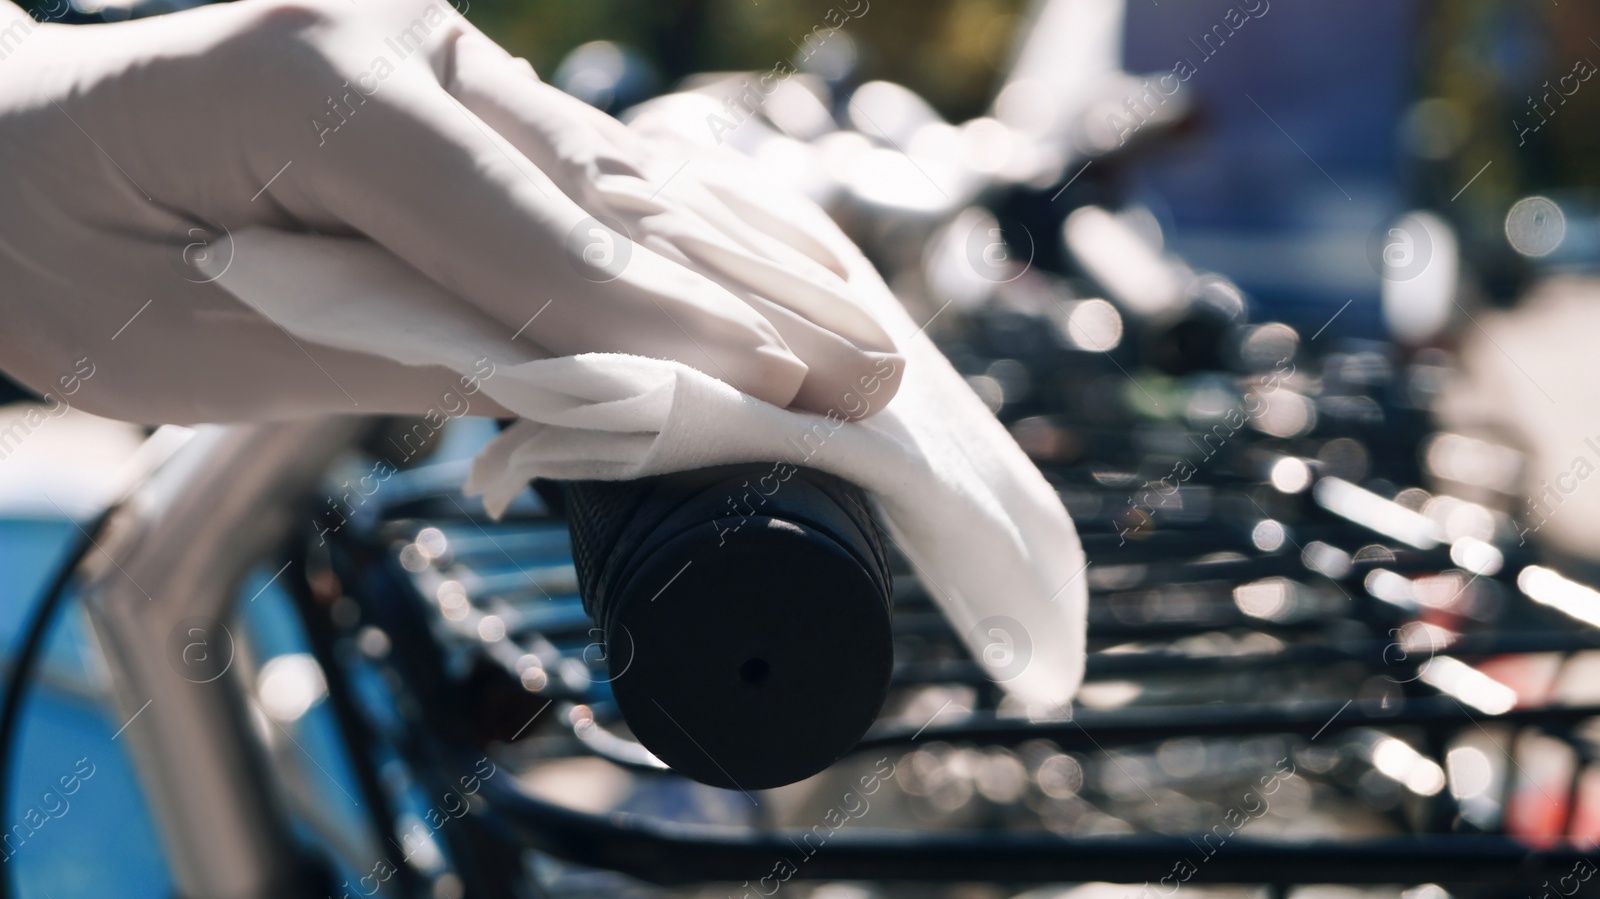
(1300, 671)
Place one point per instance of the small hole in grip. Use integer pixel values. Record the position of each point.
(754, 671)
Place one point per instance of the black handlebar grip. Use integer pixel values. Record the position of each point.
(745, 612)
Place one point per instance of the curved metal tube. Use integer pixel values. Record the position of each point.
(159, 592)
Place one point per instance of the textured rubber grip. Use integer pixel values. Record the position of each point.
(745, 610)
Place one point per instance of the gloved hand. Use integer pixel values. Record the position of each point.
(132, 149)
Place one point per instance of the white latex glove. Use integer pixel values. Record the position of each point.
(982, 527)
(131, 148)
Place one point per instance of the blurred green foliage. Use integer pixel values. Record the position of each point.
(1490, 74)
(947, 50)
(1493, 62)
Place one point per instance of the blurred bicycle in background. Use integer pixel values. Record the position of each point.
(1234, 275)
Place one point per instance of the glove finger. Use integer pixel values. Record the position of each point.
(658, 121)
(475, 215)
(843, 379)
(802, 286)
(718, 241)
(550, 126)
(772, 237)
(826, 308)
(559, 132)
(567, 138)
